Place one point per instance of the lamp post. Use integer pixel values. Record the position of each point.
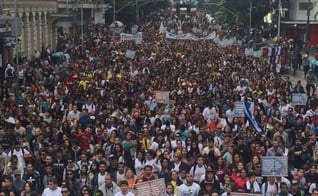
(137, 12)
(16, 32)
(82, 25)
(308, 22)
(114, 11)
(279, 18)
(251, 6)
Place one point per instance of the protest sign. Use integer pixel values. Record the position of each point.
(274, 166)
(162, 96)
(299, 99)
(239, 109)
(130, 54)
(243, 194)
(151, 188)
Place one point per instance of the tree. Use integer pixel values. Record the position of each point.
(259, 9)
(126, 9)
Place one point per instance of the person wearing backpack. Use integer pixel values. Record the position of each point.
(8, 74)
(20, 152)
(270, 187)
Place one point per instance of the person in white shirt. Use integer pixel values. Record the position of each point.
(20, 152)
(189, 187)
(198, 169)
(74, 114)
(270, 187)
(209, 112)
(52, 189)
(124, 189)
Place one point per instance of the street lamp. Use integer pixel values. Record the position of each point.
(279, 18)
(114, 11)
(251, 7)
(308, 22)
(16, 31)
(82, 23)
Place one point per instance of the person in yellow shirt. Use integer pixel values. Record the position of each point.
(83, 84)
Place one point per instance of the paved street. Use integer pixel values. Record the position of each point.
(294, 78)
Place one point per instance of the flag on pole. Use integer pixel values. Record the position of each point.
(162, 28)
(249, 114)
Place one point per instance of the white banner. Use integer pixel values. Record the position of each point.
(127, 37)
(189, 36)
(153, 187)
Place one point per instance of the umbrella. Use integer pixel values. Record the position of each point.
(116, 24)
(58, 54)
(314, 66)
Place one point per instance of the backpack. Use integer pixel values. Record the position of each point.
(10, 72)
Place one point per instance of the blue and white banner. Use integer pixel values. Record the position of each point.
(249, 114)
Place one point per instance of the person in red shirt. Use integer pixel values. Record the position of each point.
(83, 138)
(241, 180)
(147, 175)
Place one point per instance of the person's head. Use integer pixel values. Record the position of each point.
(294, 187)
(85, 190)
(28, 187)
(174, 175)
(49, 169)
(121, 167)
(189, 178)
(283, 187)
(148, 170)
(70, 174)
(243, 173)
(6, 181)
(108, 180)
(84, 169)
(209, 174)
(123, 184)
(313, 168)
(17, 176)
(14, 159)
(215, 194)
(129, 173)
(65, 191)
(98, 193)
(200, 160)
(275, 143)
(48, 159)
(165, 162)
(52, 184)
(102, 167)
(271, 179)
(315, 192)
(169, 188)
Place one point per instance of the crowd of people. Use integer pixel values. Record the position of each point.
(90, 124)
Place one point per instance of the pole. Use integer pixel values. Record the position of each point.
(82, 26)
(137, 12)
(308, 22)
(16, 32)
(279, 16)
(114, 11)
(250, 15)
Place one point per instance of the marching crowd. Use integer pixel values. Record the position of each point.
(88, 123)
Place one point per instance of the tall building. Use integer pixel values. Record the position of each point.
(38, 23)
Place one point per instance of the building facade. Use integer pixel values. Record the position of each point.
(296, 25)
(38, 23)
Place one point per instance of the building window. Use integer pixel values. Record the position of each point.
(304, 5)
